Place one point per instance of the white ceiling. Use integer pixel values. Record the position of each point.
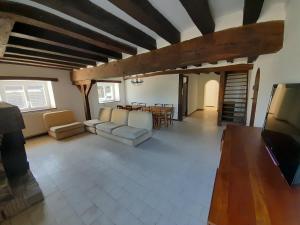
(172, 10)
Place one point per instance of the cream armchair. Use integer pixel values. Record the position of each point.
(62, 124)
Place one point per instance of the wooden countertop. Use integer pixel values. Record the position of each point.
(249, 189)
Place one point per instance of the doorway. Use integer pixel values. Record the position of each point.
(211, 95)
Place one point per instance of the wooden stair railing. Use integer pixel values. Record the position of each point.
(234, 97)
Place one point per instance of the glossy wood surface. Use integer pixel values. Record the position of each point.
(226, 44)
(249, 189)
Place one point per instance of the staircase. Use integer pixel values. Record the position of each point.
(234, 107)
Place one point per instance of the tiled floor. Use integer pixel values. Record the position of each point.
(90, 180)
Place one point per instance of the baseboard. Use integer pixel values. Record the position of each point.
(35, 136)
(195, 111)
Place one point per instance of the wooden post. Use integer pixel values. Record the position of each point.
(85, 88)
(180, 91)
(6, 26)
(254, 99)
(221, 97)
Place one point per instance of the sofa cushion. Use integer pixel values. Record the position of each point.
(105, 114)
(58, 118)
(129, 132)
(66, 127)
(119, 116)
(107, 126)
(93, 123)
(140, 119)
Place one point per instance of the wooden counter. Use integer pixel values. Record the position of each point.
(249, 189)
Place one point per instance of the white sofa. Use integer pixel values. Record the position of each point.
(104, 116)
(131, 128)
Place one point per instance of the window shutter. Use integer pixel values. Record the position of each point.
(15, 95)
(36, 96)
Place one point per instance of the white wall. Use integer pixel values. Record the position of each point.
(211, 94)
(158, 89)
(193, 95)
(94, 103)
(197, 90)
(66, 95)
(282, 67)
(203, 79)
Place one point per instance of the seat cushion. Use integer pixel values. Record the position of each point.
(66, 127)
(107, 126)
(129, 132)
(92, 123)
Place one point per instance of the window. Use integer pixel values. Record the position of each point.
(28, 95)
(108, 92)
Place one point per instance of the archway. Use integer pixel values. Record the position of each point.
(211, 94)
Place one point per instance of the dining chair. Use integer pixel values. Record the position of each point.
(120, 107)
(128, 107)
(170, 114)
(159, 117)
(159, 105)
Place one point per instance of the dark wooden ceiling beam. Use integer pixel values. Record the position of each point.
(44, 60)
(43, 35)
(252, 10)
(32, 39)
(239, 42)
(219, 69)
(96, 16)
(40, 62)
(33, 16)
(54, 48)
(200, 13)
(149, 16)
(46, 55)
(6, 61)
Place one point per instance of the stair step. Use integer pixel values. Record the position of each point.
(234, 112)
(244, 85)
(233, 107)
(233, 117)
(234, 98)
(236, 78)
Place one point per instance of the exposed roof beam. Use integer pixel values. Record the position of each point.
(30, 15)
(38, 40)
(43, 59)
(39, 62)
(56, 54)
(96, 16)
(229, 68)
(62, 40)
(200, 13)
(244, 41)
(6, 26)
(48, 55)
(6, 61)
(149, 16)
(50, 47)
(252, 10)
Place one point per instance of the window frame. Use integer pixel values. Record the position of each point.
(26, 84)
(112, 85)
